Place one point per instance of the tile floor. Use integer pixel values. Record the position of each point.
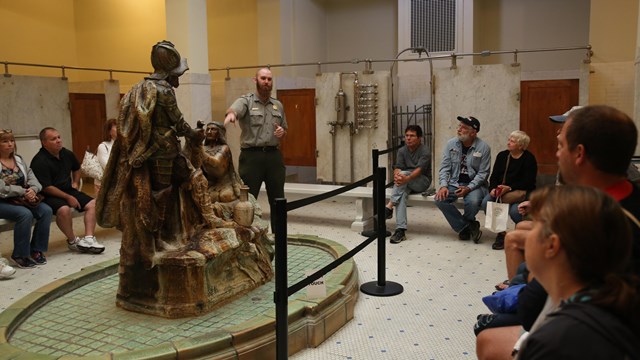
(67, 327)
(443, 279)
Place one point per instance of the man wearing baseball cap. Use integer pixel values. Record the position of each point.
(562, 118)
(464, 171)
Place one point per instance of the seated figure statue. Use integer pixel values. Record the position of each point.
(217, 165)
(214, 158)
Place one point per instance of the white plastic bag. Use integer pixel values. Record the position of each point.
(497, 216)
(91, 166)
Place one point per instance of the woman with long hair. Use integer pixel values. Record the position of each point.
(104, 149)
(19, 202)
(579, 250)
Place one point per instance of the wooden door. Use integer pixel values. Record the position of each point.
(539, 100)
(88, 115)
(299, 146)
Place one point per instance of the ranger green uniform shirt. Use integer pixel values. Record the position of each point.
(257, 120)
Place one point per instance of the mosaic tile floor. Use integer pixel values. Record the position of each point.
(443, 279)
(67, 326)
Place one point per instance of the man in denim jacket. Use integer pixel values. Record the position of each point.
(464, 171)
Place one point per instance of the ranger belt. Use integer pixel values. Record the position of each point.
(260, 148)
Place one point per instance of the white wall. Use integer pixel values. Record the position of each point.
(504, 25)
(412, 84)
(526, 24)
(303, 28)
(363, 29)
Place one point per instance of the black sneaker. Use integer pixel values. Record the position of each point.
(465, 234)
(38, 257)
(398, 236)
(24, 262)
(475, 232)
(499, 243)
(388, 213)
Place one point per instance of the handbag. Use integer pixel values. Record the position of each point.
(22, 201)
(505, 301)
(497, 216)
(91, 166)
(513, 196)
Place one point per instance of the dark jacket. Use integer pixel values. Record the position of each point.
(581, 331)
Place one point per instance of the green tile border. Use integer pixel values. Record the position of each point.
(256, 336)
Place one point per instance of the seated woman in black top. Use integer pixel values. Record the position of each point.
(512, 179)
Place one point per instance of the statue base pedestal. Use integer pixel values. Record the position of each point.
(226, 264)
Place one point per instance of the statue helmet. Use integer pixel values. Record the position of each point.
(166, 60)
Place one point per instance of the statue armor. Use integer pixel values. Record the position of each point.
(166, 61)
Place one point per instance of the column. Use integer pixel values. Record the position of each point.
(187, 30)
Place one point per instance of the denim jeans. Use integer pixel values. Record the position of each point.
(472, 202)
(513, 208)
(399, 197)
(23, 216)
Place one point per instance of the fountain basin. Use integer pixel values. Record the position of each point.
(77, 316)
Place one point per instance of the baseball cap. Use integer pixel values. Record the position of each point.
(471, 121)
(562, 118)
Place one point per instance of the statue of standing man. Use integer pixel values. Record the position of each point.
(178, 258)
(147, 171)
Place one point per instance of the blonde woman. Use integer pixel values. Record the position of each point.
(514, 176)
(18, 202)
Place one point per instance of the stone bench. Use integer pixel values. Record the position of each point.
(363, 200)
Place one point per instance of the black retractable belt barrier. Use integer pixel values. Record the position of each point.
(382, 287)
(282, 292)
(280, 296)
(375, 154)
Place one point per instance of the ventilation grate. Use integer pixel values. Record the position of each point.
(433, 24)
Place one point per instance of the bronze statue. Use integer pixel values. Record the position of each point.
(215, 160)
(148, 169)
(160, 201)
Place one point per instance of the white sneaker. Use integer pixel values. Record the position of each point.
(6, 271)
(73, 244)
(90, 244)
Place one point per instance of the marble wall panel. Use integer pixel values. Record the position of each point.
(344, 157)
(30, 103)
(490, 93)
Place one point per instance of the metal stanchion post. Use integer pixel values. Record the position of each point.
(280, 296)
(375, 153)
(382, 287)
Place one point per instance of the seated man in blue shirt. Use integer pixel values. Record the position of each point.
(411, 174)
(464, 171)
